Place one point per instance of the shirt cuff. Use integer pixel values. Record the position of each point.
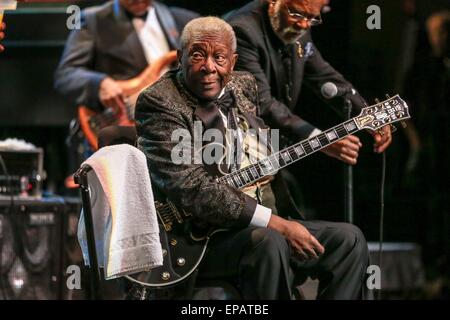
(315, 132)
(261, 216)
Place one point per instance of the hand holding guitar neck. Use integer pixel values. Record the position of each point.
(111, 95)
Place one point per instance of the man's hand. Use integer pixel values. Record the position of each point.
(2, 34)
(346, 150)
(303, 242)
(382, 137)
(111, 95)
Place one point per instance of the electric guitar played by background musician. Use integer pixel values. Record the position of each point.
(91, 122)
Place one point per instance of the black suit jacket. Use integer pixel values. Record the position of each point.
(264, 55)
(167, 106)
(108, 45)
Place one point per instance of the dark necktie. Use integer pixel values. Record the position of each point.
(225, 103)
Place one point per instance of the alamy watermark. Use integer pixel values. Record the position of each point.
(374, 279)
(213, 147)
(74, 20)
(374, 20)
(73, 281)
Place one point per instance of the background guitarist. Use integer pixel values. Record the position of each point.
(263, 250)
(116, 41)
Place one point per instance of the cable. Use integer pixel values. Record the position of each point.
(383, 180)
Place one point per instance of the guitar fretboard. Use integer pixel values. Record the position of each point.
(271, 164)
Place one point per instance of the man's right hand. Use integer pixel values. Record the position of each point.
(111, 95)
(300, 239)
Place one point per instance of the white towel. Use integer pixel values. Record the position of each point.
(124, 215)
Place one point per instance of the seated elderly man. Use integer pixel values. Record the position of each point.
(262, 247)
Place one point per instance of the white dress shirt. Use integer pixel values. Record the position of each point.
(152, 36)
(262, 214)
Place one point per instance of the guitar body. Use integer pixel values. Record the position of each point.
(181, 257)
(90, 128)
(92, 122)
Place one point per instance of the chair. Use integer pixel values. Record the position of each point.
(191, 288)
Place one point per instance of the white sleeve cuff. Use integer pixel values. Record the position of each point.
(315, 132)
(261, 216)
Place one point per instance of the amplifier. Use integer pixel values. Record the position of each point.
(25, 173)
(31, 244)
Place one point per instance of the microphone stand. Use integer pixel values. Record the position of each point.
(348, 173)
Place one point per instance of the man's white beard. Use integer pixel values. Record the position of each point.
(289, 34)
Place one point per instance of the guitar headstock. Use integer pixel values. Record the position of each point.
(383, 113)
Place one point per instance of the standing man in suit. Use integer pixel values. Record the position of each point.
(116, 41)
(262, 250)
(275, 45)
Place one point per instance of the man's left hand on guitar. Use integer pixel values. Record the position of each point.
(111, 95)
(346, 150)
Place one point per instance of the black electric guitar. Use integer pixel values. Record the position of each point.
(183, 250)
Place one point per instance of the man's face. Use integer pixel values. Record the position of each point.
(207, 62)
(284, 19)
(136, 7)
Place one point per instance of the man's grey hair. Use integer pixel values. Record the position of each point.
(205, 25)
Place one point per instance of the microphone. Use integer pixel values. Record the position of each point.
(329, 90)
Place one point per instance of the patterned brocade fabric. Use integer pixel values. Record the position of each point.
(166, 106)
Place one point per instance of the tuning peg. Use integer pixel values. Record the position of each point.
(377, 100)
(404, 124)
(388, 96)
(393, 128)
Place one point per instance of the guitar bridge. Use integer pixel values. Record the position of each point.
(168, 214)
(164, 214)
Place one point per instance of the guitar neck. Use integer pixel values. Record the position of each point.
(271, 164)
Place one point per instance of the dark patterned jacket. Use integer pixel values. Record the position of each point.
(166, 106)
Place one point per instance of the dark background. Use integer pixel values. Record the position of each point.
(30, 109)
